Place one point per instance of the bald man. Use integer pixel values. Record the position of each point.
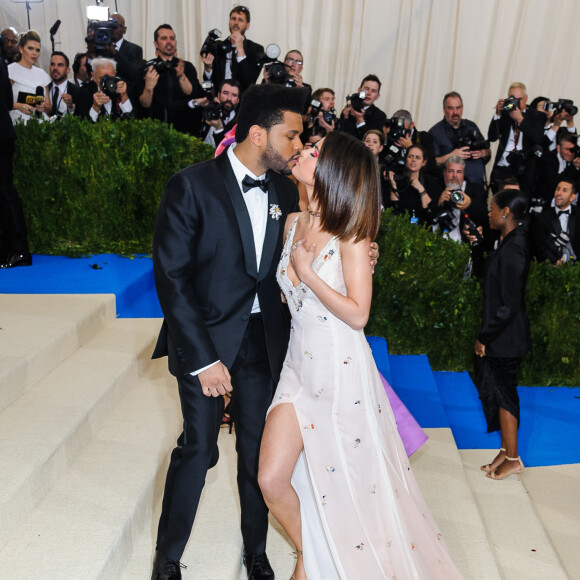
(131, 51)
(10, 39)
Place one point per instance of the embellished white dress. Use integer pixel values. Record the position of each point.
(363, 515)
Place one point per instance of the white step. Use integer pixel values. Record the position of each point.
(38, 331)
(43, 431)
(520, 543)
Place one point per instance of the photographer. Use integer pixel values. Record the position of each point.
(169, 84)
(519, 129)
(555, 232)
(556, 114)
(408, 188)
(221, 115)
(455, 136)
(455, 197)
(239, 59)
(321, 112)
(105, 96)
(563, 162)
(360, 113)
(400, 130)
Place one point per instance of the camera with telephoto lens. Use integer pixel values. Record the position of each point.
(556, 246)
(564, 105)
(397, 128)
(316, 107)
(213, 45)
(109, 85)
(277, 73)
(511, 104)
(356, 101)
(100, 33)
(518, 160)
(444, 218)
(472, 141)
(162, 66)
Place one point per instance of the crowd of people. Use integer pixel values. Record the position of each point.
(224, 330)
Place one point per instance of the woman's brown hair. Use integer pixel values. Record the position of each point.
(25, 38)
(347, 188)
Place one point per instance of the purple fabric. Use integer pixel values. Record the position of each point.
(409, 430)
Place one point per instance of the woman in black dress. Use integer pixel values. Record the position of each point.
(505, 334)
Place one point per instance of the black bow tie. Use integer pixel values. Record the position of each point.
(563, 212)
(249, 183)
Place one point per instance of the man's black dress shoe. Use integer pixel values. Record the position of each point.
(165, 569)
(13, 260)
(258, 567)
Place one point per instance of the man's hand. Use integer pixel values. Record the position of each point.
(499, 107)
(151, 78)
(68, 100)
(359, 116)
(207, 60)
(346, 111)
(122, 91)
(297, 78)
(465, 203)
(463, 152)
(404, 143)
(328, 126)
(215, 381)
(180, 68)
(99, 99)
(479, 348)
(445, 196)
(576, 162)
(517, 115)
(237, 39)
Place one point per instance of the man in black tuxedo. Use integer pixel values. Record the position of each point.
(564, 162)
(518, 129)
(240, 62)
(357, 123)
(61, 94)
(130, 51)
(548, 226)
(95, 103)
(228, 99)
(217, 242)
(14, 243)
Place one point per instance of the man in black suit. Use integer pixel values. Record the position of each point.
(555, 232)
(96, 103)
(227, 99)
(217, 242)
(14, 242)
(10, 44)
(171, 91)
(519, 128)
(61, 94)
(358, 122)
(564, 162)
(130, 51)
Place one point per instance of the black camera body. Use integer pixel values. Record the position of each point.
(397, 128)
(316, 107)
(518, 160)
(109, 85)
(213, 45)
(511, 104)
(162, 66)
(277, 73)
(394, 159)
(213, 112)
(472, 141)
(356, 101)
(564, 105)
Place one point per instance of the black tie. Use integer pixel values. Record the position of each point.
(563, 212)
(55, 94)
(249, 183)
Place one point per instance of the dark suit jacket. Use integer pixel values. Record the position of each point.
(505, 330)
(546, 223)
(205, 268)
(71, 89)
(548, 176)
(7, 133)
(374, 119)
(245, 72)
(132, 52)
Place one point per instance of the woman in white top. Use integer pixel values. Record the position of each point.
(26, 77)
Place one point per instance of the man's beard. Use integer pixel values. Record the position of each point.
(271, 159)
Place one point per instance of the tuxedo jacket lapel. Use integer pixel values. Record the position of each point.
(242, 214)
(272, 231)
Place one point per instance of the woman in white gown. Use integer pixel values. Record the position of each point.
(333, 469)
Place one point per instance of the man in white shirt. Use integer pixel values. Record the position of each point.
(61, 94)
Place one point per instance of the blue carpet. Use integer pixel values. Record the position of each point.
(550, 417)
(549, 420)
(130, 279)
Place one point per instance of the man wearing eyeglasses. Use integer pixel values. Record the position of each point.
(240, 62)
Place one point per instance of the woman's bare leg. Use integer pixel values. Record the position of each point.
(279, 451)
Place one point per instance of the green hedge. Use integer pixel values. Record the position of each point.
(422, 304)
(95, 188)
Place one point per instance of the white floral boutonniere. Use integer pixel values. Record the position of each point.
(275, 211)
